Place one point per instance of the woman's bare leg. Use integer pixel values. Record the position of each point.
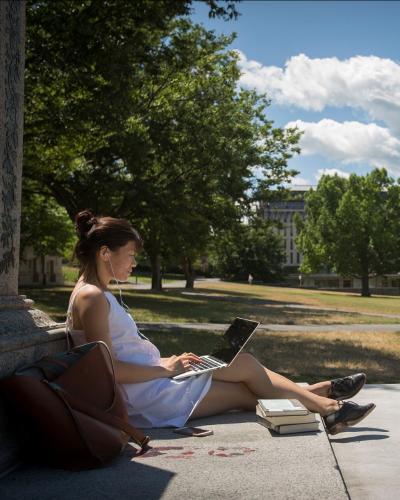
(320, 388)
(264, 383)
(225, 396)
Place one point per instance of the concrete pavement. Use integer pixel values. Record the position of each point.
(242, 459)
(369, 454)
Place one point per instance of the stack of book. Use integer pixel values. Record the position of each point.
(286, 416)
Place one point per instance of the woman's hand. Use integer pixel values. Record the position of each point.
(179, 364)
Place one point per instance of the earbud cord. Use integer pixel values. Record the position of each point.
(123, 305)
(126, 307)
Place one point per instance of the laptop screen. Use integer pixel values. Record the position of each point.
(234, 339)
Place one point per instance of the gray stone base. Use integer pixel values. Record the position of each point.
(25, 336)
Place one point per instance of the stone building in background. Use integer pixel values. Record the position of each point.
(284, 212)
(39, 269)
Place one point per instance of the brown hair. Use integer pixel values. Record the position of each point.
(95, 232)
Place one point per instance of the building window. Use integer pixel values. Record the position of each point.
(298, 258)
(334, 283)
(347, 283)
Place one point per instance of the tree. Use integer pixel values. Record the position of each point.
(205, 138)
(352, 226)
(45, 226)
(87, 63)
(254, 248)
(140, 116)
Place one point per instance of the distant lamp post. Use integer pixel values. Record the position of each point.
(300, 280)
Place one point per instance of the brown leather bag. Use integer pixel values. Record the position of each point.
(73, 408)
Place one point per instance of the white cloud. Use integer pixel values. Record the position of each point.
(350, 142)
(331, 172)
(369, 83)
(299, 181)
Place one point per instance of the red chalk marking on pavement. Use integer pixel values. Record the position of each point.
(221, 451)
(184, 454)
(159, 450)
(240, 452)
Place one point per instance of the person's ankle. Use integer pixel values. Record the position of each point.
(330, 407)
(327, 388)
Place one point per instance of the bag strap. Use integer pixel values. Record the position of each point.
(90, 410)
(69, 319)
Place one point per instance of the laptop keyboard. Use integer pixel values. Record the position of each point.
(205, 363)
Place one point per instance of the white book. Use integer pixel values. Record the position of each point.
(277, 407)
(287, 419)
(292, 428)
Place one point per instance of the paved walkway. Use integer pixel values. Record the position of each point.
(369, 454)
(381, 327)
(241, 460)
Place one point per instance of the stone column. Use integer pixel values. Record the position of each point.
(25, 333)
(12, 65)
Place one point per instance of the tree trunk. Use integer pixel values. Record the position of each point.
(188, 271)
(156, 272)
(44, 276)
(365, 292)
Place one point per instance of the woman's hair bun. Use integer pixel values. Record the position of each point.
(84, 221)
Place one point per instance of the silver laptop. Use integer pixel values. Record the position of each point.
(227, 348)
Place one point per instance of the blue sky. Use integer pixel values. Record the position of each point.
(330, 67)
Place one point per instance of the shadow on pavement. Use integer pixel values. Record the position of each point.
(370, 437)
(365, 429)
(123, 478)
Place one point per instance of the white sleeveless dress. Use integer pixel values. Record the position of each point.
(162, 402)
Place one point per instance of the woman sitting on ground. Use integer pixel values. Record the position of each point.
(106, 250)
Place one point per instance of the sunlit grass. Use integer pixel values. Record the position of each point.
(70, 274)
(202, 305)
(309, 357)
(317, 356)
(302, 356)
(340, 300)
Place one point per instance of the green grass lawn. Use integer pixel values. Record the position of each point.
(218, 304)
(71, 275)
(301, 356)
(339, 300)
(304, 357)
(145, 279)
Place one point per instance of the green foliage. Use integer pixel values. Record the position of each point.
(255, 248)
(135, 112)
(45, 226)
(352, 226)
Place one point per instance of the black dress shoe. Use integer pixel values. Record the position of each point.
(347, 387)
(348, 414)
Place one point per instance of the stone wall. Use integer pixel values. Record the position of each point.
(26, 334)
(18, 348)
